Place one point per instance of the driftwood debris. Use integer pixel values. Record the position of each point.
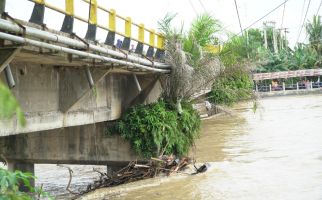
(166, 165)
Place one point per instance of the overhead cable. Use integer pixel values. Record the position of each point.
(307, 9)
(317, 12)
(241, 29)
(264, 16)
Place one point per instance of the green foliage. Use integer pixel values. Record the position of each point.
(234, 51)
(9, 105)
(200, 34)
(314, 29)
(302, 57)
(241, 48)
(232, 85)
(203, 29)
(156, 128)
(9, 182)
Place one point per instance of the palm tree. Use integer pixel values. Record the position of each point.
(200, 35)
(314, 30)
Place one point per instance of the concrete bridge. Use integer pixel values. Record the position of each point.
(70, 88)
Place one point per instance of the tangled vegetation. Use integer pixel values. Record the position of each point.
(158, 128)
(10, 182)
(170, 125)
(232, 85)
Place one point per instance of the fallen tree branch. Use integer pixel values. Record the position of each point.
(70, 180)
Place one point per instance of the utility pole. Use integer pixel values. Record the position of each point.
(281, 39)
(265, 36)
(247, 42)
(270, 25)
(274, 39)
(285, 31)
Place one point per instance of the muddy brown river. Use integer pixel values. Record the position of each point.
(275, 153)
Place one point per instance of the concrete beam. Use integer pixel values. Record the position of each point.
(143, 94)
(87, 144)
(73, 86)
(6, 56)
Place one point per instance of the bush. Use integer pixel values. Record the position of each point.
(232, 85)
(9, 186)
(157, 128)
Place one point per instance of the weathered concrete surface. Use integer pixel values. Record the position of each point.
(56, 97)
(88, 144)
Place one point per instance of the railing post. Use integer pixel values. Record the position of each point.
(128, 32)
(297, 86)
(283, 86)
(68, 23)
(92, 22)
(150, 52)
(160, 47)
(110, 39)
(139, 46)
(38, 12)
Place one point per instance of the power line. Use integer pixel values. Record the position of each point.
(319, 8)
(302, 11)
(316, 14)
(203, 6)
(194, 9)
(264, 16)
(241, 29)
(283, 14)
(307, 9)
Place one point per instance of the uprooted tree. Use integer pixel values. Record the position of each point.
(171, 125)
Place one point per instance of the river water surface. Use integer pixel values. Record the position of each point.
(275, 153)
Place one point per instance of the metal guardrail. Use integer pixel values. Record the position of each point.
(287, 74)
(38, 18)
(298, 86)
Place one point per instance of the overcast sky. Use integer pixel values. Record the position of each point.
(150, 11)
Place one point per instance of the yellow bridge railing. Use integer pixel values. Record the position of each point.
(92, 21)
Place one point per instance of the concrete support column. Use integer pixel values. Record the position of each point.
(283, 86)
(24, 167)
(270, 87)
(2, 6)
(311, 85)
(256, 87)
(297, 86)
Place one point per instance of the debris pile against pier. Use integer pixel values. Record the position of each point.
(135, 171)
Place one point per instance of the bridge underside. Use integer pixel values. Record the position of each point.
(87, 144)
(68, 101)
(57, 96)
